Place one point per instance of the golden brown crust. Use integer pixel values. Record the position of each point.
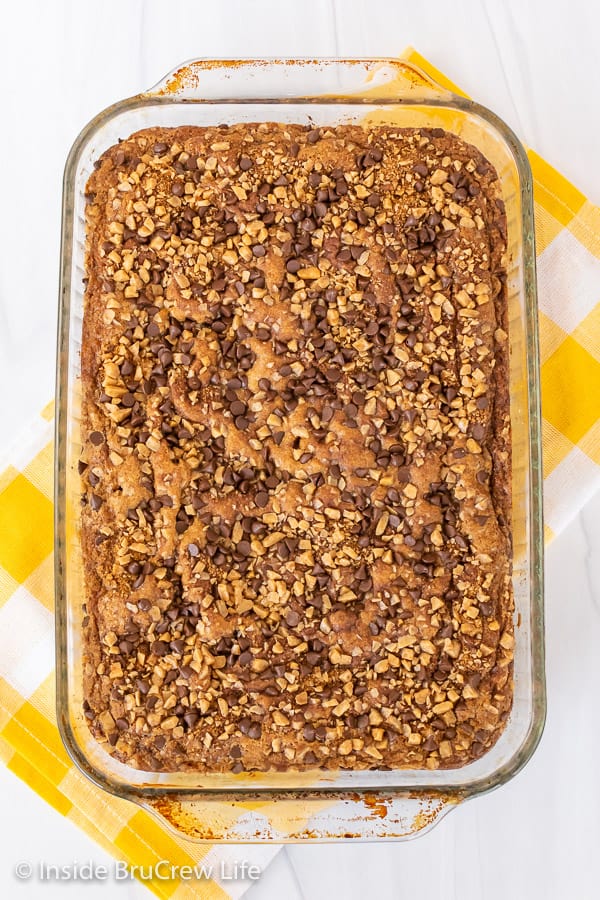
(296, 450)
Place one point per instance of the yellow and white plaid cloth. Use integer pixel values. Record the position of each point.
(568, 248)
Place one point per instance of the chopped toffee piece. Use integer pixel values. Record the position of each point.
(295, 460)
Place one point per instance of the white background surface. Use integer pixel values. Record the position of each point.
(535, 63)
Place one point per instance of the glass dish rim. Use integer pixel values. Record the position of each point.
(442, 98)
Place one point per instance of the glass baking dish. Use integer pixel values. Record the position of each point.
(314, 805)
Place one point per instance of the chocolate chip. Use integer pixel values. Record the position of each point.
(97, 438)
(255, 731)
(191, 718)
(193, 549)
(261, 499)
(308, 733)
(245, 163)
(160, 648)
(333, 375)
(95, 502)
(293, 265)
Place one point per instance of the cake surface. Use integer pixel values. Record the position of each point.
(295, 466)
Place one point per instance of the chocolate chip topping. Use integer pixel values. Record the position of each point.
(296, 478)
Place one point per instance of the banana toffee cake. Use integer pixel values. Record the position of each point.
(295, 466)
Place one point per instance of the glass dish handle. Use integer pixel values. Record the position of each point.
(354, 817)
(374, 80)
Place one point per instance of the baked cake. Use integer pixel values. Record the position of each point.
(295, 467)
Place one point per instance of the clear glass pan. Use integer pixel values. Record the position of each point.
(317, 805)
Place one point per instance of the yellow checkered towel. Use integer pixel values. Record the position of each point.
(568, 248)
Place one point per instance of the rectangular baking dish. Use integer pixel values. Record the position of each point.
(320, 805)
